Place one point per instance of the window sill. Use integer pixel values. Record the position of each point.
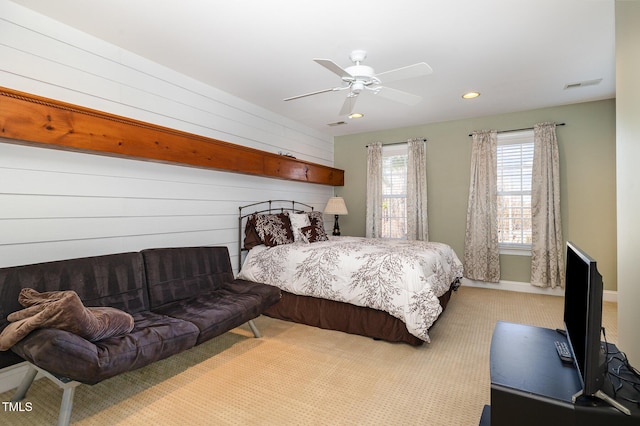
(513, 251)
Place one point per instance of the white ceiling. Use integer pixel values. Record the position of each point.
(520, 54)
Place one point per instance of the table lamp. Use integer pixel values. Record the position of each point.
(336, 206)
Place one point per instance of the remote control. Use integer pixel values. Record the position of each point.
(563, 351)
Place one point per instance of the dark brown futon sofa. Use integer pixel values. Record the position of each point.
(176, 297)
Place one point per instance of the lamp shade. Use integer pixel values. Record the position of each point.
(336, 205)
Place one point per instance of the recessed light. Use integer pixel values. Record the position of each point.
(471, 95)
(356, 115)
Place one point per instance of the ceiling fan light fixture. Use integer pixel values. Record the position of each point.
(356, 115)
(357, 87)
(471, 95)
(358, 78)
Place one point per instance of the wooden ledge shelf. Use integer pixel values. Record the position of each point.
(38, 121)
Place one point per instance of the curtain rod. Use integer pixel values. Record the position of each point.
(398, 143)
(518, 130)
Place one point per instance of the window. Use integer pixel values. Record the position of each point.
(394, 191)
(515, 160)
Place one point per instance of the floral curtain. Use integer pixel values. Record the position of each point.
(373, 221)
(417, 224)
(547, 245)
(481, 255)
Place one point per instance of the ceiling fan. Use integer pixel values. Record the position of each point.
(358, 78)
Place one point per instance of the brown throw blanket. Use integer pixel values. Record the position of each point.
(63, 310)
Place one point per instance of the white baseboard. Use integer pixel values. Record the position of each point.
(10, 377)
(608, 295)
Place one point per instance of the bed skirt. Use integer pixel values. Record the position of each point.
(340, 316)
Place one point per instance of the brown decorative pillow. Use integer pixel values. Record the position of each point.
(251, 237)
(316, 231)
(274, 229)
(63, 310)
(310, 234)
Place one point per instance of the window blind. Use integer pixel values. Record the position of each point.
(515, 160)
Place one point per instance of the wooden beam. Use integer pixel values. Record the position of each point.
(38, 121)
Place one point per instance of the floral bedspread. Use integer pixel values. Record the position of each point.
(403, 278)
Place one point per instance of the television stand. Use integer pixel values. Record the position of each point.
(606, 398)
(531, 386)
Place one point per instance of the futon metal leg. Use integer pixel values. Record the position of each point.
(254, 329)
(25, 384)
(66, 406)
(68, 387)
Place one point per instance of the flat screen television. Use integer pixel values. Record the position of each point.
(583, 318)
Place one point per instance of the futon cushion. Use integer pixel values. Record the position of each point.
(115, 280)
(175, 274)
(154, 337)
(217, 312)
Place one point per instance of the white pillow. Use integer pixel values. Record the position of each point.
(299, 221)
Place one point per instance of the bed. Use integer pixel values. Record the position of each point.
(391, 290)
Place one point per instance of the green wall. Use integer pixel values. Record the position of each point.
(587, 172)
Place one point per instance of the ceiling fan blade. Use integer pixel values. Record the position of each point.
(348, 105)
(411, 71)
(310, 94)
(398, 95)
(335, 68)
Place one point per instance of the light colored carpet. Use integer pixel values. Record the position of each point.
(300, 375)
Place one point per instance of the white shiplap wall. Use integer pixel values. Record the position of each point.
(57, 204)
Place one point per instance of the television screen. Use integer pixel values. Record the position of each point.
(583, 318)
